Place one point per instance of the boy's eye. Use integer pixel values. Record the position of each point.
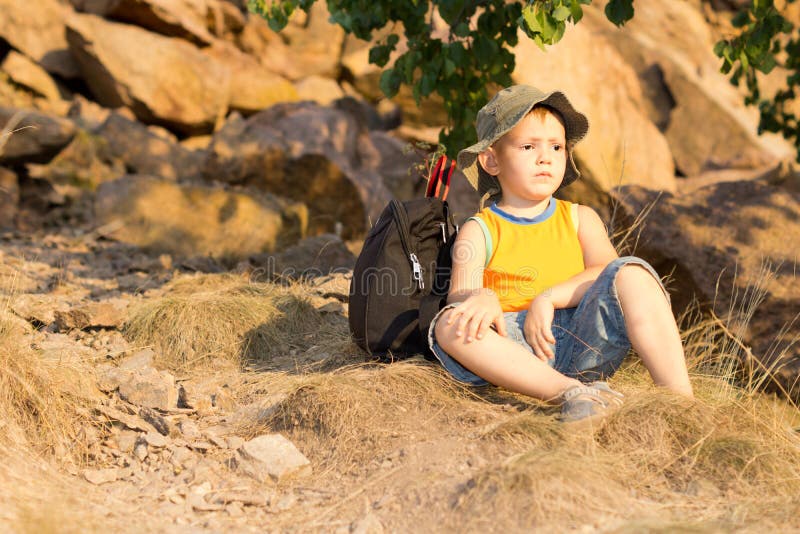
(527, 147)
(557, 147)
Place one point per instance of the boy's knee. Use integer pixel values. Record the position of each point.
(445, 333)
(637, 274)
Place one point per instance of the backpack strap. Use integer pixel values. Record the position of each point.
(439, 179)
(487, 237)
(574, 213)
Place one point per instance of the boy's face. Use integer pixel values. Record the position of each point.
(530, 160)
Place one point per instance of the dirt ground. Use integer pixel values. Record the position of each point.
(391, 448)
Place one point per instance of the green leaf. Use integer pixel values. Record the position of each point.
(619, 11)
(577, 12)
(390, 82)
(461, 29)
(531, 21)
(741, 19)
(561, 13)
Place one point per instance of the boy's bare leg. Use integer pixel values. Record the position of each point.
(651, 328)
(502, 362)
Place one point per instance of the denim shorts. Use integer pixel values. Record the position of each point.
(591, 339)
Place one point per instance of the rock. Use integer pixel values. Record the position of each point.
(38, 309)
(259, 41)
(234, 442)
(190, 430)
(272, 457)
(126, 440)
(307, 153)
(38, 34)
(193, 219)
(9, 197)
(35, 137)
(253, 87)
(702, 115)
(149, 388)
(161, 424)
(104, 314)
(109, 377)
(85, 162)
(28, 74)
(146, 153)
(190, 397)
(309, 51)
(156, 440)
(319, 89)
(140, 450)
(173, 18)
(369, 524)
(622, 146)
(132, 422)
(101, 476)
(310, 258)
(721, 245)
(223, 399)
(173, 83)
(139, 360)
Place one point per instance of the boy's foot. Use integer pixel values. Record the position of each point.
(588, 401)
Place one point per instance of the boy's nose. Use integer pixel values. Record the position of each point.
(544, 157)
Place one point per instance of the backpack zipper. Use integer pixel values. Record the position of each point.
(401, 220)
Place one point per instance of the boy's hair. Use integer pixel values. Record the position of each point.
(540, 111)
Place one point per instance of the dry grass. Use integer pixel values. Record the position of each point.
(41, 426)
(729, 460)
(351, 413)
(205, 319)
(37, 408)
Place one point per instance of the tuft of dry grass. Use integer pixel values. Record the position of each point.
(202, 319)
(354, 411)
(37, 409)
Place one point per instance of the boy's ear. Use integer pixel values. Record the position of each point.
(488, 161)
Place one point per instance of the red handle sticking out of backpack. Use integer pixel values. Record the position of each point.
(439, 180)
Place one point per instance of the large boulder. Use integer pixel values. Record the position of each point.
(144, 152)
(37, 31)
(27, 73)
(162, 80)
(623, 146)
(174, 18)
(85, 162)
(308, 153)
(28, 135)
(726, 243)
(9, 197)
(701, 114)
(252, 86)
(193, 220)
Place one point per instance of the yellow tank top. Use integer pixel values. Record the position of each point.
(526, 256)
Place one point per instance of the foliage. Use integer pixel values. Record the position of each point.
(476, 52)
(460, 68)
(766, 40)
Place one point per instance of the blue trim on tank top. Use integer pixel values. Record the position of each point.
(546, 214)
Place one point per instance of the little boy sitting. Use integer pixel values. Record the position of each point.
(540, 303)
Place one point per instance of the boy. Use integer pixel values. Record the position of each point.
(539, 300)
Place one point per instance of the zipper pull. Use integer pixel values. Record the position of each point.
(443, 226)
(416, 270)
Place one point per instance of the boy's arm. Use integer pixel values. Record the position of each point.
(469, 257)
(598, 252)
(478, 307)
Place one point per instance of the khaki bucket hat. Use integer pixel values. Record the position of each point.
(500, 115)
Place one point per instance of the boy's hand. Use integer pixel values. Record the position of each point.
(476, 314)
(538, 327)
